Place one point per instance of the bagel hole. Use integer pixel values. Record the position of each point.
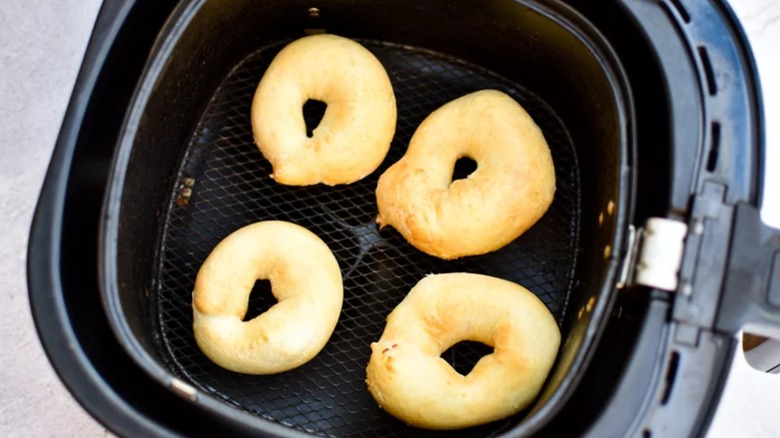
(464, 167)
(313, 111)
(465, 354)
(260, 299)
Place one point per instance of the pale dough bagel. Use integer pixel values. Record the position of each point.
(409, 379)
(510, 190)
(355, 133)
(306, 280)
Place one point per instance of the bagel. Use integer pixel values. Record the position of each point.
(355, 133)
(305, 279)
(409, 379)
(510, 190)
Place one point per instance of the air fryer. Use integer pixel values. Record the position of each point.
(650, 110)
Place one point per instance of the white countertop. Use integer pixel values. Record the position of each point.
(41, 47)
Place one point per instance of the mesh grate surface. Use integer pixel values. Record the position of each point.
(232, 188)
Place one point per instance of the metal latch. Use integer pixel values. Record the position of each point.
(654, 254)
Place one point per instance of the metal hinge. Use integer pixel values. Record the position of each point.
(654, 254)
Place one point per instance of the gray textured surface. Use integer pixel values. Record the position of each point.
(41, 46)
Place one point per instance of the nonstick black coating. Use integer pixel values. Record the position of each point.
(186, 174)
(230, 187)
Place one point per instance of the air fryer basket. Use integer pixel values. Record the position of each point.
(232, 188)
(186, 174)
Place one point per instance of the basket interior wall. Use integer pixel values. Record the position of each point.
(195, 125)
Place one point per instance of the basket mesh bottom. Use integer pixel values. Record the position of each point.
(232, 188)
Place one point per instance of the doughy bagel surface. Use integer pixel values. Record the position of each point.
(409, 379)
(510, 190)
(355, 133)
(305, 279)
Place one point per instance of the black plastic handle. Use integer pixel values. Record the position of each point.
(751, 293)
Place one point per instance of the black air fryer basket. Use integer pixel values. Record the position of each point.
(156, 164)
